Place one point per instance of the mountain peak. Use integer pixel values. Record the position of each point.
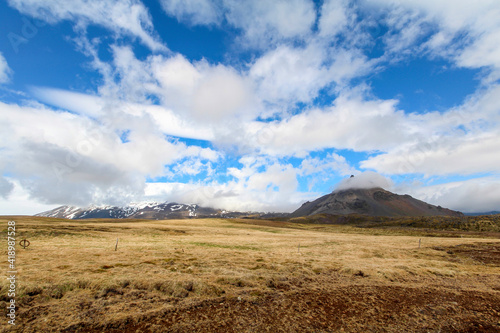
(374, 201)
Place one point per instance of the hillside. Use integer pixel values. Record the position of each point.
(372, 202)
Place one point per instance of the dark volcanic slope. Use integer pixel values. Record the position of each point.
(373, 202)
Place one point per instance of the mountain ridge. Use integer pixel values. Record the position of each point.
(148, 210)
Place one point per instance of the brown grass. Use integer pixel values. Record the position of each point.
(70, 278)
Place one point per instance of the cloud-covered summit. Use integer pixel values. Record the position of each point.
(365, 180)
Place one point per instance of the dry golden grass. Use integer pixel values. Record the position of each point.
(71, 273)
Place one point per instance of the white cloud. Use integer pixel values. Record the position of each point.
(462, 156)
(271, 190)
(203, 153)
(484, 51)
(60, 157)
(199, 160)
(351, 123)
(334, 17)
(5, 71)
(194, 12)
(286, 75)
(265, 22)
(465, 32)
(190, 167)
(73, 101)
(460, 141)
(221, 94)
(261, 22)
(119, 112)
(474, 195)
(406, 28)
(289, 75)
(134, 76)
(331, 162)
(203, 92)
(129, 17)
(193, 92)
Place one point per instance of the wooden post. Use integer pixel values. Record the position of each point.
(116, 246)
(419, 241)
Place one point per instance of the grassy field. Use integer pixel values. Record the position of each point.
(230, 275)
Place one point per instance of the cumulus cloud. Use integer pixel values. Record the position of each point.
(351, 123)
(128, 17)
(334, 17)
(193, 92)
(330, 163)
(202, 91)
(59, 157)
(5, 71)
(289, 75)
(365, 180)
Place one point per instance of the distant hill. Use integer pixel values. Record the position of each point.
(487, 213)
(372, 202)
(147, 210)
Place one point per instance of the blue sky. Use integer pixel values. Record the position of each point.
(247, 105)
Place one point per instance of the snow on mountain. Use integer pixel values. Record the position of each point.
(149, 210)
(146, 210)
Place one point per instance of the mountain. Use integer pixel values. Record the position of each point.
(373, 202)
(145, 210)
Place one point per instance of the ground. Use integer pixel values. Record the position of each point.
(231, 275)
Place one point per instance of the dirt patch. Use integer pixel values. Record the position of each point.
(350, 309)
(481, 253)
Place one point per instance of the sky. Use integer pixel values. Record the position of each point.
(247, 105)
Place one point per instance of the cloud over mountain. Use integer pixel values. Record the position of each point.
(365, 180)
